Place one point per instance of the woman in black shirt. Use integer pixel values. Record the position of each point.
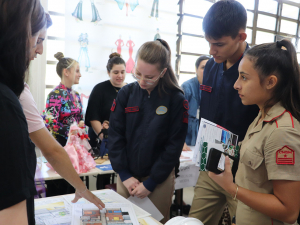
(100, 102)
(17, 188)
(103, 95)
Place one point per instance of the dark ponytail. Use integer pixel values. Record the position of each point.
(159, 52)
(279, 59)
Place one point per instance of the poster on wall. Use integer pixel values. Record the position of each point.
(96, 28)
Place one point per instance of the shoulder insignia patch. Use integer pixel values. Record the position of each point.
(285, 156)
(113, 106)
(186, 104)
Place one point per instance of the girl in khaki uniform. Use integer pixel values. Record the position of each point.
(268, 179)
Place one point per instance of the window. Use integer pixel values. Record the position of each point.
(55, 42)
(267, 21)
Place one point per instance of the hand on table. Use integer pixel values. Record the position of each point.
(131, 183)
(90, 197)
(140, 191)
(186, 148)
(225, 179)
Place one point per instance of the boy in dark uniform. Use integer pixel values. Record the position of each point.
(224, 26)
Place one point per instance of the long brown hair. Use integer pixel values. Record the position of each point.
(15, 31)
(158, 52)
(280, 59)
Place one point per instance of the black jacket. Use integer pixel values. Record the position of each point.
(142, 142)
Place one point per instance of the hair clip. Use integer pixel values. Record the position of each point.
(158, 39)
(280, 45)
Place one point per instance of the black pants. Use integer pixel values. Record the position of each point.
(102, 180)
(58, 187)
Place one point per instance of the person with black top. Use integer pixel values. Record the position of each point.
(103, 95)
(100, 101)
(17, 187)
(147, 128)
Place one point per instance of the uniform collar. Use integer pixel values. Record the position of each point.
(275, 112)
(155, 90)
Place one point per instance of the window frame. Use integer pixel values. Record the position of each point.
(276, 32)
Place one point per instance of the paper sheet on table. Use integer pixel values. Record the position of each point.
(148, 206)
(106, 167)
(147, 221)
(113, 212)
(109, 196)
(52, 211)
(186, 156)
(188, 175)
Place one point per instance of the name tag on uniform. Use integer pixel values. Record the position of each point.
(205, 88)
(161, 110)
(132, 109)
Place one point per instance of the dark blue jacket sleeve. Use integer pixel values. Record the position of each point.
(116, 136)
(170, 157)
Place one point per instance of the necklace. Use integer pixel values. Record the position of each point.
(116, 89)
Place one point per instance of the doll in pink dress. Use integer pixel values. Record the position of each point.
(83, 136)
(79, 155)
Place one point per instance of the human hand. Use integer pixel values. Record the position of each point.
(225, 179)
(186, 148)
(140, 191)
(131, 183)
(90, 197)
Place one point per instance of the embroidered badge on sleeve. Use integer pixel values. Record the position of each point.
(285, 156)
(185, 117)
(113, 106)
(186, 104)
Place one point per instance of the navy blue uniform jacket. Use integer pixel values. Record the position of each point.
(143, 143)
(223, 105)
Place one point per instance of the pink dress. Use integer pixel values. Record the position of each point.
(130, 62)
(79, 156)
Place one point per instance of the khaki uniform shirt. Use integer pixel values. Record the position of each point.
(270, 151)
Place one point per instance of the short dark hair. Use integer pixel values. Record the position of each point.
(279, 58)
(224, 18)
(200, 59)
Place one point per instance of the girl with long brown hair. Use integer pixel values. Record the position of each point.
(148, 125)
